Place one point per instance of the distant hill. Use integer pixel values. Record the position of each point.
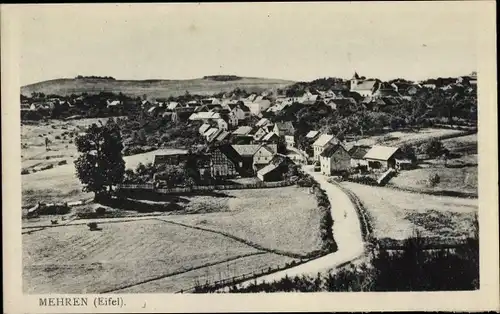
(153, 88)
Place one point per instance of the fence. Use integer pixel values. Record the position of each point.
(235, 280)
(205, 188)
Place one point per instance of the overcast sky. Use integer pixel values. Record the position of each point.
(290, 41)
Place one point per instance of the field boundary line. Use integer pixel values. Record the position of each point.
(118, 220)
(235, 238)
(184, 271)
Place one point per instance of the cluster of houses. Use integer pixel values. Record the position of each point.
(334, 157)
(227, 161)
(231, 111)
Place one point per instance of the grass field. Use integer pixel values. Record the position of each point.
(61, 184)
(285, 218)
(238, 267)
(152, 88)
(406, 137)
(72, 259)
(451, 179)
(459, 174)
(397, 214)
(61, 135)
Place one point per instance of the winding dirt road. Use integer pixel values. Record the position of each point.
(346, 232)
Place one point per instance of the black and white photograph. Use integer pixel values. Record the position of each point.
(250, 148)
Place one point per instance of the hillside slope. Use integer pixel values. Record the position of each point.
(152, 88)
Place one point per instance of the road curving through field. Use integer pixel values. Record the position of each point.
(346, 232)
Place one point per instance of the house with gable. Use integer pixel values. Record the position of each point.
(321, 143)
(225, 162)
(382, 157)
(334, 159)
(270, 138)
(286, 131)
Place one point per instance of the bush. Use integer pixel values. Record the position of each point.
(56, 209)
(100, 211)
(434, 179)
(306, 181)
(47, 167)
(433, 148)
(25, 171)
(57, 137)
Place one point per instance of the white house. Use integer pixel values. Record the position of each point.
(321, 143)
(334, 159)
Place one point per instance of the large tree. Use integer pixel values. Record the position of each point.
(100, 164)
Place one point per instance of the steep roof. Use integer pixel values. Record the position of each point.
(222, 136)
(246, 150)
(358, 151)
(244, 108)
(323, 140)
(228, 151)
(331, 149)
(381, 152)
(365, 85)
(243, 130)
(268, 136)
(204, 128)
(262, 122)
(210, 132)
(267, 169)
(312, 134)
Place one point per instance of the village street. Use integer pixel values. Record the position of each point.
(346, 232)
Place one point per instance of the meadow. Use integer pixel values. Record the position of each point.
(73, 259)
(399, 214)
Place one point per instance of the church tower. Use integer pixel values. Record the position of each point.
(355, 80)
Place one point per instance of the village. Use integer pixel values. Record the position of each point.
(327, 156)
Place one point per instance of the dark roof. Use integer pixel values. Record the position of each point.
(228, 151)
(358, 152)
(331, 149)
(244, 108)
(286, 127)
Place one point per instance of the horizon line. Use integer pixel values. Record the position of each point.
(241, 76)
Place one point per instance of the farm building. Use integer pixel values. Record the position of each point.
(225, 162)
(382, 157)
(357, 154)
(263, 156)
(243, 131)
(170, 159)
(275, 170)
(320, 144)
(334, 159)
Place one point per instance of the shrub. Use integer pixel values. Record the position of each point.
(62, 162)
(57, 137)
(432, 148)
(56, 209)
(100, 211)
(434, 179)
(25, 171)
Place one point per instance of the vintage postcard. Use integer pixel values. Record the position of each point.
(249, 157)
